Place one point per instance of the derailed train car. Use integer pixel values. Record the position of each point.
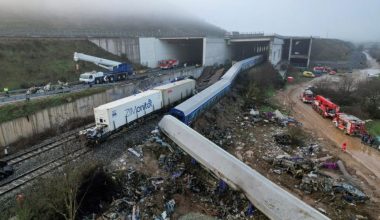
(113, 116)
(189, 110)
(231, 74)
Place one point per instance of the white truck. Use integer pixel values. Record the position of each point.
(115, 70)
(92, 77)
(111, 117)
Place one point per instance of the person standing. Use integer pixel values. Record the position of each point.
(344, 147)
(6, 91)
(27, 95)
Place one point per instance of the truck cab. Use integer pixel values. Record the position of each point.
(307, 96)
(92, 77)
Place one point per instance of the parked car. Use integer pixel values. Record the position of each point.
(308, 74)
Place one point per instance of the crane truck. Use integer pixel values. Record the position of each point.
(325, 107)
(115, 70)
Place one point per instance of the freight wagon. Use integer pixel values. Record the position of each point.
(111, 117)
(176, 91)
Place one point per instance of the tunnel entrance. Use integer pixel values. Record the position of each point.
(299, 62)
(299, 49)
(244, 49)
(187, 51)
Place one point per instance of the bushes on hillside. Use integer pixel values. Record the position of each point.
(353, 96)
(259, 83)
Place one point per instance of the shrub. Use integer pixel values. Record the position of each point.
(297, 135)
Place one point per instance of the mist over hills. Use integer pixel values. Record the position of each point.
(99, 18)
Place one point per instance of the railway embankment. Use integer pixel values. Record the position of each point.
(49, 118)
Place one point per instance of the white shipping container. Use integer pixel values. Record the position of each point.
(176, 91)
(120, 112)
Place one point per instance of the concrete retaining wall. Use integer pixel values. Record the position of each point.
(275, 51)
(215, 51)
(41, 121)
(118, 46)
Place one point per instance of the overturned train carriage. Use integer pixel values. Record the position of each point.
(272, 200)
(113, 116)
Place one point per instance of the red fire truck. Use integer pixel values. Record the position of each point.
(168, 64)
(350, 124)
(325, 107)
(307, 96)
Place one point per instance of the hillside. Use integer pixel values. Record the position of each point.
(331, 50)
(374, 51)
(72, 18)
(25, 62)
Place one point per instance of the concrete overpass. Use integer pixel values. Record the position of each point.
(208, 51)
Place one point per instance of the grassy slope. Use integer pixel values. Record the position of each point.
(27, 62)
(374, 127)
(22, 109)
(331, 49)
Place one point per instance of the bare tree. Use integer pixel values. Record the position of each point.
(346, 85)
(62, 190)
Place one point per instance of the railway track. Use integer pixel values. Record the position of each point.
(17, 182)
(44, 147)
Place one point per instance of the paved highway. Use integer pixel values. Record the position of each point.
(20, 95)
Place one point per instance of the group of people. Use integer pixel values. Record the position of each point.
(368, 139)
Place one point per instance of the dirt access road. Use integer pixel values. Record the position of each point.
(364, 161)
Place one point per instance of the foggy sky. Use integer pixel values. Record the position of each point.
(355, 20)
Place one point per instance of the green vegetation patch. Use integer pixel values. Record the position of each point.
(21, 109)
(260, 83)
(32, 62)
(374, 127)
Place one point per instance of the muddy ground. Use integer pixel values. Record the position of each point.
(230, 125)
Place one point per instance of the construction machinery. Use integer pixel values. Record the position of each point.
(350, 124)
(325, 107)
(168, 64)
(307, 96)
(115, 70)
